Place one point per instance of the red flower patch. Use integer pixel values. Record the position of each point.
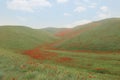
(64, 59)
(38, 54)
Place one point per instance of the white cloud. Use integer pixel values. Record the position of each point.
(27, 5)
(76, 23)
(103, 15)
(62, 1)
(80, 9)
(104, 8)
(67, 14)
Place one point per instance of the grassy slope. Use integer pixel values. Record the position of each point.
(103, 66)
(18, 37)
(100, 35)
(20, 67)
(91, 67)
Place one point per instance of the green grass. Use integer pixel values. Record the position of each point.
(101, 35)
(107, 65)
(21, 67)
(22, 38)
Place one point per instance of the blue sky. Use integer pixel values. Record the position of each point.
(56, 13)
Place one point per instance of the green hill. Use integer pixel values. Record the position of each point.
(20, 37)
(99, 35)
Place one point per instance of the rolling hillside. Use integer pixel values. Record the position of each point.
(29, 54)
(99, 35)
(19, 37)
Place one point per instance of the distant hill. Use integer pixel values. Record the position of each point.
(99, 35)
(54, 30)
(20, 37)
(63, 33)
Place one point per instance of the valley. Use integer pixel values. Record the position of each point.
(85, 52)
